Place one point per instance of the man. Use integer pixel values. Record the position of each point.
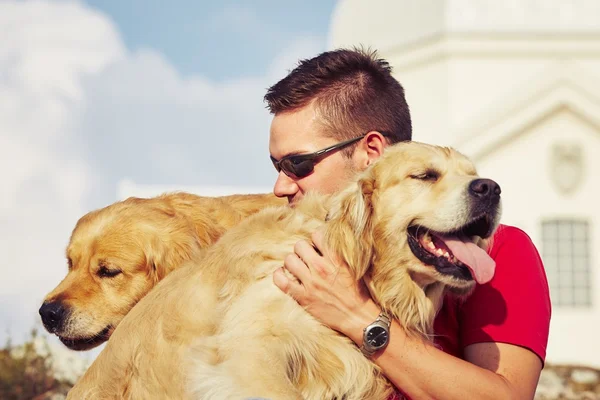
(333, 116)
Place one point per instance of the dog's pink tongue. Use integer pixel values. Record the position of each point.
(482, 266)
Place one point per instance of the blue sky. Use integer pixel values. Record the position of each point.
(217, 39)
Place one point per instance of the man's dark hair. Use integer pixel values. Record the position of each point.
(353, 91)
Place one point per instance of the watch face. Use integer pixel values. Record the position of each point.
(377, 336)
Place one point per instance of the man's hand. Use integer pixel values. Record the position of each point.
(326, 288)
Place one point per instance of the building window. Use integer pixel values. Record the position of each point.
(565, 251)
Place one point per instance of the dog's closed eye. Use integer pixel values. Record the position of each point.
(430, 175)
(105, 272)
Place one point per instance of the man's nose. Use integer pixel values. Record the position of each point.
(285, 186)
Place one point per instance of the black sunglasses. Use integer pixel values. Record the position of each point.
(301, 165)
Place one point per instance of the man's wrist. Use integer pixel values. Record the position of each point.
(365, 315)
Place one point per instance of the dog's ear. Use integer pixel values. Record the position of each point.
(163, 255)
(351, 231)
(157, 260)
(168, 241)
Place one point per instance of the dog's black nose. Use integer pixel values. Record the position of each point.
(52, 314)
(484, 188)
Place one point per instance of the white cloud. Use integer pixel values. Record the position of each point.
(78, 113)
(147, 123)
(47, 51)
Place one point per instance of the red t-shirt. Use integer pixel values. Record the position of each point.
(514, 307)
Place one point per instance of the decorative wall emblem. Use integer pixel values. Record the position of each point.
(567, 167)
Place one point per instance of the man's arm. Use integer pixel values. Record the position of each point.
(490, 370)
(420, 370)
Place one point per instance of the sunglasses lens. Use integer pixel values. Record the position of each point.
(276, 164)
(297, 167)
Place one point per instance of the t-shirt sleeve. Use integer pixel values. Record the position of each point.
(514, 307)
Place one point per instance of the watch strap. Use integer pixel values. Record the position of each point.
(385, 318)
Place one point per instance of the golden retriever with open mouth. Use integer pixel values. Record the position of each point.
(118, 253)
(412, 223)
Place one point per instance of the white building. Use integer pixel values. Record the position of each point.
(514, 84)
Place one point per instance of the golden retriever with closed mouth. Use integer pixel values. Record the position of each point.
(411, 222)
(118, 253)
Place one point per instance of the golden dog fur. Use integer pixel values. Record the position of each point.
(144, 239)
(219, 328)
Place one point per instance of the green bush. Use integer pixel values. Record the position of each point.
(27, 375)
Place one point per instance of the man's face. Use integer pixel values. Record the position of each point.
(299, 132)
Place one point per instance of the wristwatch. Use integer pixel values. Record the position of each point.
(376, 335)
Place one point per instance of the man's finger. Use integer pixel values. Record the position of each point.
(296, 266)
(281, 281)
(318, 239)
(317, 264)
(288, 286)
(307, 253)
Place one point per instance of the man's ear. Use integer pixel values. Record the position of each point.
(370, 149)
